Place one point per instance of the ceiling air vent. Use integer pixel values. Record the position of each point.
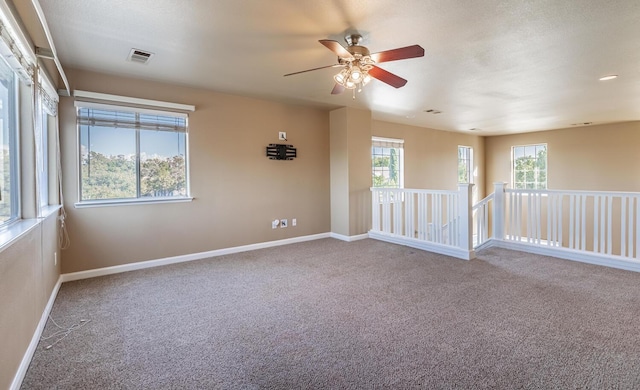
(139, 56)
(432, 111)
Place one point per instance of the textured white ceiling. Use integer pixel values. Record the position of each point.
(502, 66)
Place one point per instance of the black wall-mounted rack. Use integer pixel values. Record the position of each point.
(281, 152)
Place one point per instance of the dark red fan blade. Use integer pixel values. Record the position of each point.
(398, 54)
(337, 89)
(309, 70)
(336, 47)
(387, 77)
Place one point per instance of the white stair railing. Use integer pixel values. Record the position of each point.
(429, 219)
(586, 221)
(481, 210)
(589, 226)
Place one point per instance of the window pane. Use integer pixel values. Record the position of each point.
(132, 155)
(541, 162)
(8, 148)
(464, 164)
(162, 164)
(530, 166)
(387, 166)
(518, 151)
(462, 173)
(42, 158)
(530, 151)
(108, 161)
(529, 176)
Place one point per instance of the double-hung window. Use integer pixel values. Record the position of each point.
(131, 154)
(529, 169)
(465, 164)
(387, 162)
(9, 182)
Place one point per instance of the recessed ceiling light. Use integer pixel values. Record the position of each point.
(609, 77)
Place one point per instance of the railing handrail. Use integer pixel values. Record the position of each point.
(571, 192)
(483, 201)
(415, 191)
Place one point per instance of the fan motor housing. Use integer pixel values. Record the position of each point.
(358, 51)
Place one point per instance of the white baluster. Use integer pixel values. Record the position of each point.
(623, 225)
(583, 229)
(609, 224)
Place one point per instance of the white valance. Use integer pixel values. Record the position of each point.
(85, 97)
(387, 142)
(48, 95)
(100, 115)
(15, 47)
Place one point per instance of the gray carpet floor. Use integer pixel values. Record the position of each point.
(328, 314)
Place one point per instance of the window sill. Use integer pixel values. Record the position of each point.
(129, 202)
(13, 232)
(16, 230)
(46, 211)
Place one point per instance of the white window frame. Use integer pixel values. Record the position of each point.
(388, 143)
(123, 104)
(42, 156)
(14, 155)
(536, 172)
(45, 115)
(468, 162)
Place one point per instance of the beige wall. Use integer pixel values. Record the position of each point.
(339, 152)
(359, 171)
(599, 158)
(431, 156)
(237, 190)
(350, 171)
(27, 278)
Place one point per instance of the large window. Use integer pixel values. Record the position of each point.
(465, 164)
(387, 162)
(9, 186)
(529, 169)
(131, 154)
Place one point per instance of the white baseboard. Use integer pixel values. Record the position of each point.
(425, 245)
(342, 237)
(569, 254)
(183, 258)
(28, 355)
(486, 244)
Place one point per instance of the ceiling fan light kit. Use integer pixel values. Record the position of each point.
(358, 65)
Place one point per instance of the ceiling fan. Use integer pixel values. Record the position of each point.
(358, 64)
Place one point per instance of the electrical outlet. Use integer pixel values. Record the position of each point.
(283, 223)
(282, 136)
(275, 223)
(55, 258)
(294, 222)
